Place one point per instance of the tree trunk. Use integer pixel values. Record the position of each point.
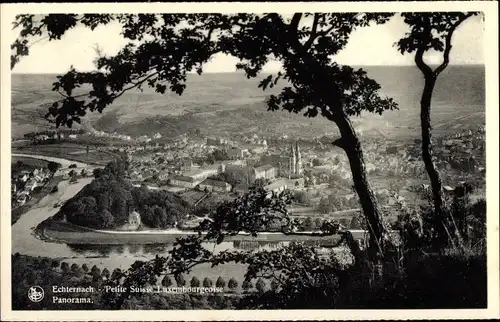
(352, 146)
(427, 149)
(428, 157)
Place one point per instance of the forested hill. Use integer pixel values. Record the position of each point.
(107, 201)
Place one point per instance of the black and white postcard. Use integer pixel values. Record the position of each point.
(225, 161)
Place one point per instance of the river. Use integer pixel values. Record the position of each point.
(25, 242)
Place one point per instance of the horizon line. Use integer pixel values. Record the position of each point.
(268, 72)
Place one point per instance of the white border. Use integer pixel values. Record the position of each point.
(492, 121)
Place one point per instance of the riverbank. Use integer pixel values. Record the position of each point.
(62, 232)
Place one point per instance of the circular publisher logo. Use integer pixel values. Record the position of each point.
(35, 294)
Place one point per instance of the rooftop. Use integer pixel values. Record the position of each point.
(215, 183)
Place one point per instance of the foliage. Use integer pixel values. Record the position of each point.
(433, 31)
(316, 85)
(163, 49)
(195, 282)
(232, 284)
(207, 282)
(53, 166)
(220, 282)
(107, 200)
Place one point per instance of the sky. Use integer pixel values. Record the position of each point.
(373, 45)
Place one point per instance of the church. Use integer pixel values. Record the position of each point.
(288, 164)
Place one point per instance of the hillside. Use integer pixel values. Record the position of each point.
(221, 104)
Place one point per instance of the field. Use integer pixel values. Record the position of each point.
(30, 162)
(225, 104)
(68, 151)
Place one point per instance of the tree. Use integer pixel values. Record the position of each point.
(95, 271)
(53, 166)
(85, 268)
(303, 43)
(316, 162)
(308, 224)
(55, 264)
(247, 285)
(65, 267)
(432, 31)
(220, 282)
(166, 281)
(105, 273)
(318, 222)
(260, 285)
(179, 279)
(74, 267)
(232, 284)
(195, 282)
(207, 282)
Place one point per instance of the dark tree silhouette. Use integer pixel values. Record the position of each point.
(179, 279)
(304, 44)
(166, 281)
(247, 285)
(65, 267)
(220, 282)
(207, 282)
(260, 285)
(432, 31)
(195, 282)
(232, 284)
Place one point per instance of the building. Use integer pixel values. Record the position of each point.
(241, 188)
(134, 219)
(265, 172)
(186, 164)
(216, 141)
(185, 181)
(30, 185)
(277, 186)
(203, 173)
(236, 153)
(243, 173)
(215, 185)
(288, 164)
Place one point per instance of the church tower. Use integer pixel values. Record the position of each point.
(298, 167)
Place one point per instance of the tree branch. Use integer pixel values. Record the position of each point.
(314, 30)
(295, 22)
(448, 46)
(136, 84)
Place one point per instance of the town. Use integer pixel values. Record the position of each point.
(208, 170)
